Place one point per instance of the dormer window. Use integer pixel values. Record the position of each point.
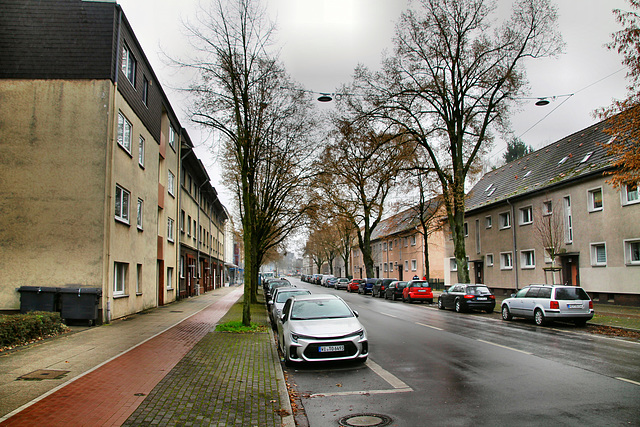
(586, 157)
(564, 159)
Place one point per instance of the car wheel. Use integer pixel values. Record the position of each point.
(506, 314)
(458, 306)
(393, 296)
(538, 317)
(440, 304)
(409, 299)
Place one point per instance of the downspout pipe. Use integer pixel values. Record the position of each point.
(515, 245)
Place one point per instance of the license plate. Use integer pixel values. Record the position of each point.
(481, 298)
(422, 290)
(330, 348)
(575, 305)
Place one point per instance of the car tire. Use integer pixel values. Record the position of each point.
(440, 304)
(393, 296)
(538, 317)
(506, 314)
(458, 306)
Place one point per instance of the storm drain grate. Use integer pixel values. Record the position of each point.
(365, 420)
(44, 374)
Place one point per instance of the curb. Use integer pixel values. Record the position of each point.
(288, 420)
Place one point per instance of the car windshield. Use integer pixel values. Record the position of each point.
(284, 296)
(478, 290)
(563, 294)
(319, 309)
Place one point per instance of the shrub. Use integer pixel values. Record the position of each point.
(22, 328)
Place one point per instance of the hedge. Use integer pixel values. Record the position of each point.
(18, 329)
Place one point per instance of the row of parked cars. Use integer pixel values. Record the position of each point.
(314, 327)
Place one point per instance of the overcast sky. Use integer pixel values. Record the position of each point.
(323, 40)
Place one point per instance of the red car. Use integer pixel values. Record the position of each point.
(354, 285)
(417, 290)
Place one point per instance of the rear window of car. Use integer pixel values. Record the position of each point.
(420, 285)
(284, 296)
(319, 309)
(564, 294)
(478, 290)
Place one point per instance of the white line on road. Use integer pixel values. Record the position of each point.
(628, 381)
(390, 315)
(429, 326)
(361, 393)
(504, 346)
(393, 381)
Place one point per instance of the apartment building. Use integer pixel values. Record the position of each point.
(90, 159)
(562, 185)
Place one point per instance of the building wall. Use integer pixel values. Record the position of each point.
(52, 170)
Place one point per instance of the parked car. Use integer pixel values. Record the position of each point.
(354, 285)
(318, 327)
(280, 296)
(463, 297)
(545, 303)
(417, 290)
(325, 280)
(273, 284)
(366, 287)
(380, 286)
(394, 290)
(341, 283)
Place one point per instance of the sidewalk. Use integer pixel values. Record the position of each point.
(165, 366)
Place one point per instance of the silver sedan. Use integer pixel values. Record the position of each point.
(316, 328)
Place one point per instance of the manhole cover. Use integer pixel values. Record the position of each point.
(43, 374)
(365, 420)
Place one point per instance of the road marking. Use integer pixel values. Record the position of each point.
(429, 326)
(628, 381)
(393, 381)
(508, 348)
(361, 393)
(390, 315)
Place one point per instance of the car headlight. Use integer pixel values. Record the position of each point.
(294, 337)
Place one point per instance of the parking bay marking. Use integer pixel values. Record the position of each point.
(508, 348)
(398, 385)
(430, 326)
(628, 381)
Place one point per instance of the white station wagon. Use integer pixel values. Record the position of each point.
(544, 303)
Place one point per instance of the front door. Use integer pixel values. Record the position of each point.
(570, 275)
(478, 266)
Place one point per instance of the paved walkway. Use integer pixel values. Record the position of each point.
(138, 363)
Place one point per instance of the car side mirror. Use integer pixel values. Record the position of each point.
(356, 313)
(513, 295)
(284, 318)
(269, 302)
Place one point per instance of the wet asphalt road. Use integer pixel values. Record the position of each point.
(433, 367)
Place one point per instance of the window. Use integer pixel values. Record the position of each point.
(489, 259)
(477, 236)
(595, 199)
(169, 277)
(488, 222)
(189, 225)
(630, 194)
(547, 207)
(632, 252)
(145, 90)
(505, 220)
(413, 240)
(182, 221)
(128, 64)
(195, 230)
(182, 267)
(568, 225)
(119, 278)
(172, 137)
(122, 204)
(528, 259)
(391, 266)
(170, 226)
(453, 265)
(385, 266)
(384, 246)
(139, 279)
(526, 215)
(414, 265)
(586, 157)
(598, 254)
(406, 265)
(391, 245)
(141, 151)
(170, 183)
(139, 214)
(124, 132)
(547, 256)
(465, 227)
(506, 261)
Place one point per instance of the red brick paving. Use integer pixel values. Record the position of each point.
(107, 395)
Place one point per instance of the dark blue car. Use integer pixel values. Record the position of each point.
(366, 287)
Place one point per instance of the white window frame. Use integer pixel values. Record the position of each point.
(128, 64)
(138, 279)
(568, 221)
(628, 251)
(489, 259)
(122, 199)
(453, 265)
(501, 223)
(413, 240)
(171, 179)
(169, 278)
(145, 90)
(591, 207)
(390, 267)
(125, 130)
(593, 250)
(170, 228)
(139, 213)
(120, 278)
(625, 195)
(141, 146)
(172, 137)
(488, 221)
(414, 265)
(465, 229)
(524, 259)
(406, 265)
(547, 207)
(386, 267)
(506, 256)
(525, 212)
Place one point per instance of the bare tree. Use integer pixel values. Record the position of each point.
(549, 231)
(450, 83)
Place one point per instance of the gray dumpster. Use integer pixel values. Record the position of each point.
(38, 298)
(80, 303)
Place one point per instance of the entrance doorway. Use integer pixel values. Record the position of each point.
(570, 270)
(478, 266)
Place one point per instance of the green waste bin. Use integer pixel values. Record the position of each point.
(38, 298)
(80, 303)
